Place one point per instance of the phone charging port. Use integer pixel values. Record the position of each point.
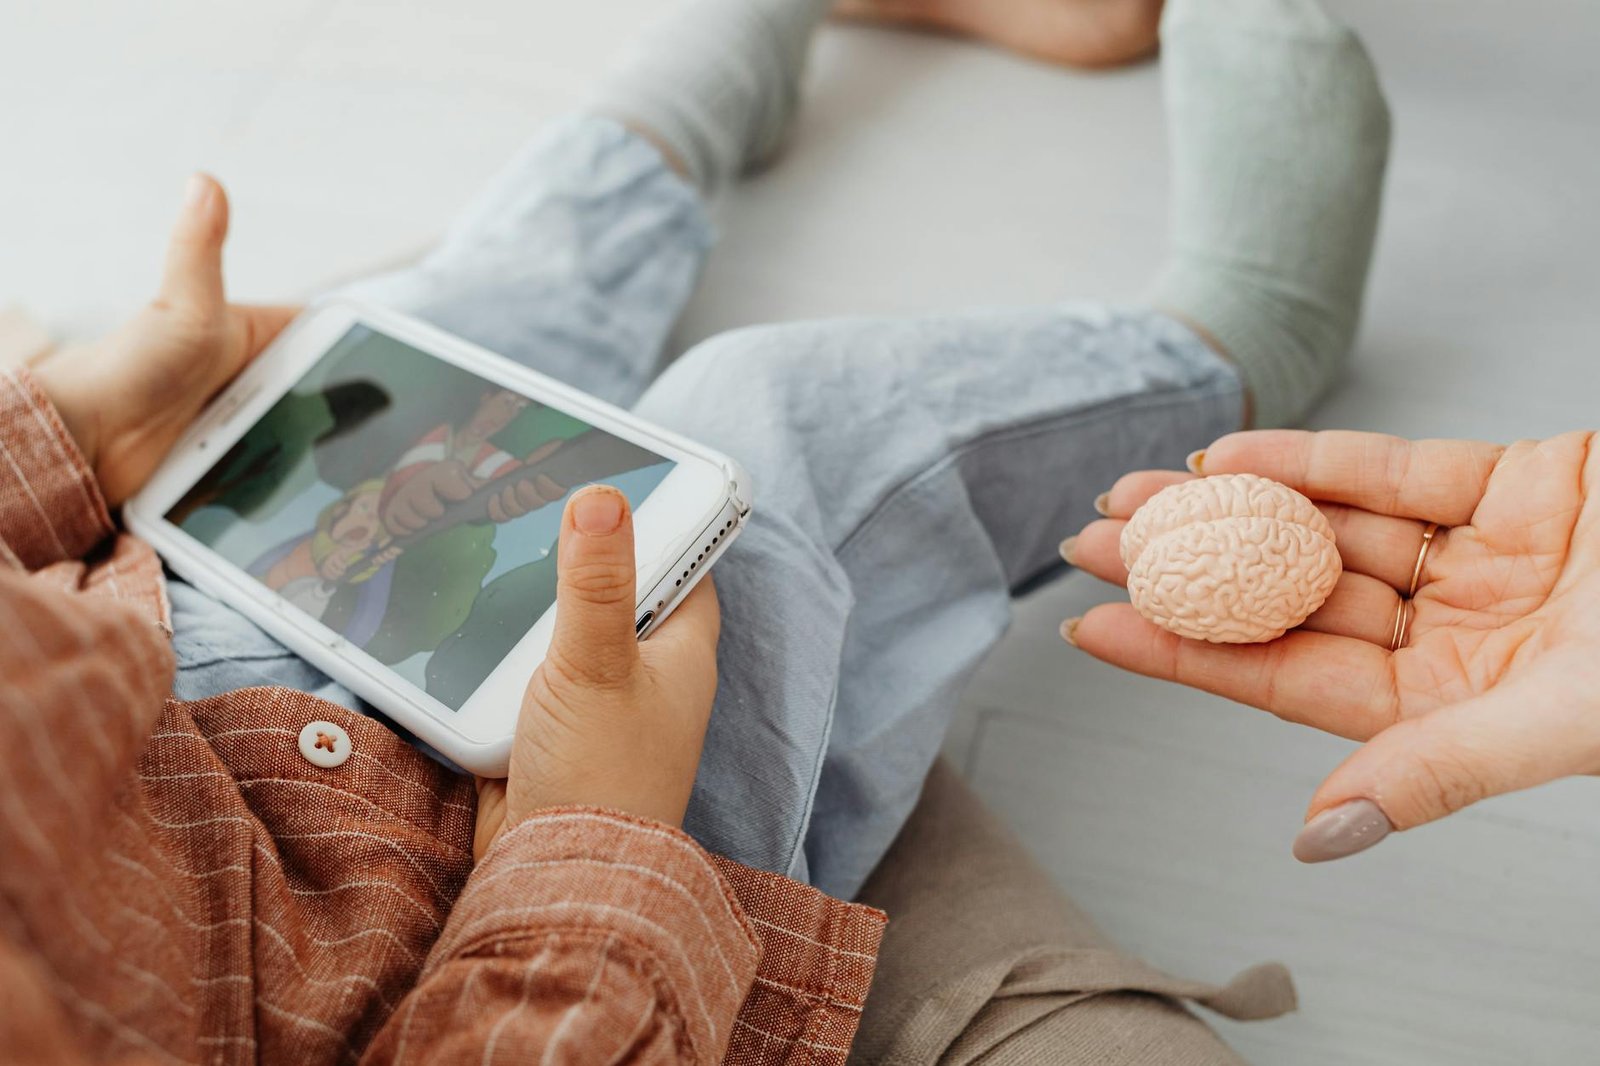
(644, 620)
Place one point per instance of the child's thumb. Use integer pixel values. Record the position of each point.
(594, 640)
(192, 277)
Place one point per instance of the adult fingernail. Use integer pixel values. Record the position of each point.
(196, 191)
(1343, 830)
(598, 511)
(1194, 460)
(1067, 546)
(1102, 504)
(1069, 630)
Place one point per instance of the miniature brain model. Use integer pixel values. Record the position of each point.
(1232, 559)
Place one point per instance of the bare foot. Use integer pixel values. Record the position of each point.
(1078, 33)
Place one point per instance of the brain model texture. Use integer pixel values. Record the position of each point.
(1232, 559)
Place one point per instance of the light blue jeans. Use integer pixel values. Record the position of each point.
(911, 475)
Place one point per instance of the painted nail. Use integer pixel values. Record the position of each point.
(1102, 504)
(1343, 830)
(1066, 548)
(1194, 461)
(598, 511)
(1069, 630)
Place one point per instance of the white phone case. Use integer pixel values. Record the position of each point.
(676, 548)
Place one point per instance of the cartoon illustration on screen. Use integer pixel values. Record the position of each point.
(409, 506)
(348, 546)
(455, 474)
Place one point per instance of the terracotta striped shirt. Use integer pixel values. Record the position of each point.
(178, 884)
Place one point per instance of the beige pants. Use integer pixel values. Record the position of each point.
(985, 961)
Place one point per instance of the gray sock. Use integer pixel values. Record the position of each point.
(1279, 137)
(716, 81)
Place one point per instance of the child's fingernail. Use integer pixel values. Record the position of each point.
(597, 511)
(1342, 830)
(1194, 461)
(1101, 504)
(1069, 630)
(1066, 548)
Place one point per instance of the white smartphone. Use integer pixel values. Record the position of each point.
(384, 499)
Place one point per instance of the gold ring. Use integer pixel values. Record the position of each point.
(1404, 611)
(1402, 625)
(1422, 557)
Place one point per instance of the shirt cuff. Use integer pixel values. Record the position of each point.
(818, 955)
(577, 868)
(51, 509)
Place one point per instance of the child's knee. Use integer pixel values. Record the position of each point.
(741, 391)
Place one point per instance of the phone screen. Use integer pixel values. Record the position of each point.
(408, 505)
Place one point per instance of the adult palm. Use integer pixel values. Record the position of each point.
(1498, 685)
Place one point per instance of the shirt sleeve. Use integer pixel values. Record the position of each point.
(583, 933)
(51, 510)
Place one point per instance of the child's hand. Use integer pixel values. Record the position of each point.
(126, 398)
(608, 721)
(1497, 686)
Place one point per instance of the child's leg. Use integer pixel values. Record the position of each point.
(579, 257)
(716, 83)
(1279, 138)
(909, 475)
(576, 260)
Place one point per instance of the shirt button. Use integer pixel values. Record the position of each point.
(324, 744)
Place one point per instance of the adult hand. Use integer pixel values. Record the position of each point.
(126, 399)
(1498, 685)
(608, 721)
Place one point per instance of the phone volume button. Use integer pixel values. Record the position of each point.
(229, 405)
(225, 410)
